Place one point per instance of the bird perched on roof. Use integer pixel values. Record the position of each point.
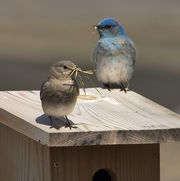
(114, 55)
(59, 93)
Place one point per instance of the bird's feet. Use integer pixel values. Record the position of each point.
(107, 86)
(115, 86)
(123, 88)
(68, 123)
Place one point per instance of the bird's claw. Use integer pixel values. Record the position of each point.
(124, 90)
(69, 125)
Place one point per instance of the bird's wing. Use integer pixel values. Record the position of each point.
(127, 48)
(43, 86)
(75, 85)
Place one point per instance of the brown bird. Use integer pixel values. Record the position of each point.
(59, 93)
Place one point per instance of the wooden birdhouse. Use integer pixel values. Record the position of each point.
(117, 138)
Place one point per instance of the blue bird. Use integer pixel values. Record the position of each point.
(114, 55)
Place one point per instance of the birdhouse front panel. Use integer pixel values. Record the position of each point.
(106, 163)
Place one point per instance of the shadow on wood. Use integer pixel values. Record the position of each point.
(57, 123)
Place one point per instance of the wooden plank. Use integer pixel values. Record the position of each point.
(111, 118)
(122, 162)
(21, 158)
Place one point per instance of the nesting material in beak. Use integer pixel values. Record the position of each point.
(77, 69)
(77, 72)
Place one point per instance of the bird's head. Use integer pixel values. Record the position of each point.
(109, 27)
(62, 69)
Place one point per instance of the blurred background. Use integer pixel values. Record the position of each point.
(34, 34)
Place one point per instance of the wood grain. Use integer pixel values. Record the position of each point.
(21, 158)
(110, 118)
(122, 162)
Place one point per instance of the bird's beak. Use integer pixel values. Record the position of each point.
(98, 27)
(95, 27)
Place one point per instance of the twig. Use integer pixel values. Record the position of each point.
(71, 73)
(92, 83)
(82, 83)
(79, 70)
(77, 73)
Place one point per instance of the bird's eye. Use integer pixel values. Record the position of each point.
(65, 67)
(108, 26)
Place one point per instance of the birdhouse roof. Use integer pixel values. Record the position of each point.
(109, 118)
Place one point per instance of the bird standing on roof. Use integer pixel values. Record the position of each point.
(114, 55)
(59, 93)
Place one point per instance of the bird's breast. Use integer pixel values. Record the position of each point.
(109, 48)
(59, 98)
(114, 69)
(60, 109)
